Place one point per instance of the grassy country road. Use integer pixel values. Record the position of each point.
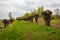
(22, 30)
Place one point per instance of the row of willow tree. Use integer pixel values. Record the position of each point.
(28, 16)
(36, 14)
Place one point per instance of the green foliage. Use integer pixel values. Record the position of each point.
(18, 18)
(22, 30)
(47, 16)
(1, 23)
(26, 15)
(42, 9)
(10, 15)
(39, 10)
(33, 13)
(55, 21)
(53, 17)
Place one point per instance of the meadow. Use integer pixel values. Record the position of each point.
(1, 23)
(22, 30)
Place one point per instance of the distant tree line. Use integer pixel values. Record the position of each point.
(33, 14)
(9, 21)
(36, 14)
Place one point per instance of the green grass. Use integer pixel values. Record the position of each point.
(55, 21)
(1, 23)
(22, 30)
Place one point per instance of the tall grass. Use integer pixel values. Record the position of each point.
(22, 30)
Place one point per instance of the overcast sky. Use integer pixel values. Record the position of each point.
(19, 7)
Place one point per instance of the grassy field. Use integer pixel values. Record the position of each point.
(22, 30)
(1, 23)
(55, 23)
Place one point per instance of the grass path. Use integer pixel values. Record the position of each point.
(22, 30)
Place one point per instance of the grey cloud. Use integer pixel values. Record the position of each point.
(24, 7)
(30, 3)
(18, 9)
(17, 14)
(55, 5)
(4, 7)
(3, 15)
(4, 0)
